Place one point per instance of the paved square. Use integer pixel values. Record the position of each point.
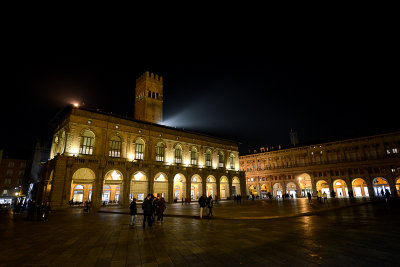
(361, 235)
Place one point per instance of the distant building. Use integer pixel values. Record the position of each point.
(365, 166)
(12, 173)
(105, 158)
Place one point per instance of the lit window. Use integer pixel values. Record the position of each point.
(115, 147)
(395, 150)
(139, 149)
(5, 192)
(178, 154)
(221, 160)
(160, 152)
(193, 156)
(86, 143)
(251, 179)
(208, 158)
(232, 162)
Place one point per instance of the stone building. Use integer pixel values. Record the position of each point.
(103, 157)
(362, 166)
(12, 173)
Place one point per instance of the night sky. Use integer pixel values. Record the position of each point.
(253, 92)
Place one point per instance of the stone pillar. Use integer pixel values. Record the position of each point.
(314, 185)
(218, 181)
(126, 189)
(97, 191)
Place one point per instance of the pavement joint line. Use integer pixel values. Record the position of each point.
(308, 213)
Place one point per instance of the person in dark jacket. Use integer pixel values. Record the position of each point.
(202, 203)
(160, 209)
(133, 212)
(147, 207)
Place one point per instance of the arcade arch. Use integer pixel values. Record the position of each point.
(160, 186)
(113, 182)
(236, 186)
(179, 187)
(360, 188)
(380, 185)
(277, 190)
(224, 187)
(196, 187)
(291, 189)
(211, 186)
(305, 184)
(139, 186)
(264, 190)
(398, 186)
(252, 190)
(323, 186)
(340, 188)
(84, 177)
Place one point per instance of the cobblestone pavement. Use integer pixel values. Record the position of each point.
(361, 235)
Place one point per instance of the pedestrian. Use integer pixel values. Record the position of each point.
(31, 210)
(325, 197)
(319, 196)
(133, 212)
(210, 204)
(47, 210)
(309, 197)
(387, 198)
(160, 209)
(202, 203)
(154, 207)
(39, 211)
(147, 210)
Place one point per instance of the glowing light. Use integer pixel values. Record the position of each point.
(139, 176)
(74, 150)
(76, 105)
(115, 175)
(130, 156)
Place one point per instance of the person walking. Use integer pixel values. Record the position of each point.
(47, 210)
(160, 209)
(309, 198)
(387, 198)
(202, 203)
(147, 207)
(210, 204)
(133, 212)
(319, 196)
(325, 197)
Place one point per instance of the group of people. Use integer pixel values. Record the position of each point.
(152, 207)
(237, 199)
(322, 197)
(206, 205)
(42, 211)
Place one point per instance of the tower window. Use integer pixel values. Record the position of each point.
(149, 95)
(153, 95)
(157, 96)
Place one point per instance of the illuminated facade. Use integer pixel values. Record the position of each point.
(363, 166)
(12, 173)
(102, 157)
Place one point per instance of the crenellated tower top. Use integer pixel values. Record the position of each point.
(149, 98)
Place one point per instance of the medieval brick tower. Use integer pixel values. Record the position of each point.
(149, 98)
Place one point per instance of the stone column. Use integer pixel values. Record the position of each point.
(126, 188)
(98, 188)
(314, 185)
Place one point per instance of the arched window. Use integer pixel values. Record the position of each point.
(86, 143)
(115, 147)
(220, 160)
(153, 95)
(193, 156)
(178, 154)
(232, 161)
(160, 152)
(149, 95)
(139, 149)
(208, 158)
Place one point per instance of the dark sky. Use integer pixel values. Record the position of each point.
(326, 86)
